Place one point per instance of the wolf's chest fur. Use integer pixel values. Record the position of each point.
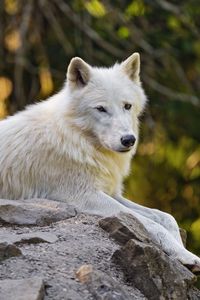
(102, 169)
(112, 170)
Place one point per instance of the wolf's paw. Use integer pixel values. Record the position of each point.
(188, 259)
(194, 268)
(192, 262)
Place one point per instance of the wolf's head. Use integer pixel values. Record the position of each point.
(105, 102)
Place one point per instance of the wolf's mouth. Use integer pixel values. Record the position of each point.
(124, 150)
(119, 149)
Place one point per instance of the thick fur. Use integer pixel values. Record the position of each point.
(66, 148)
(65, 135)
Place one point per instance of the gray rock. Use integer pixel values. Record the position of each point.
(153, 272)
(101, 286)
(28, 238)
(194, 294)
(22, 289)
(82, 242)
(144, 263)
(8, 250)
(34, 212)
(124, 227)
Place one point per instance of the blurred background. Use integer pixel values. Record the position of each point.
(37, 40)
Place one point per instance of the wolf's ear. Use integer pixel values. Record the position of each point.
(78, 72)
(131, 66)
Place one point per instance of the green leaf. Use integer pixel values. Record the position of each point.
(123, 32)
(136, 8)
(95, 8)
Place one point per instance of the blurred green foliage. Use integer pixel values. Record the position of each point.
(37, 40)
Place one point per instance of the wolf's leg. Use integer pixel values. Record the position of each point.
(162, 218)
(101, 204)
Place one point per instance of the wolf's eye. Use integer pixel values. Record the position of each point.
(127, 106)
(101, 108)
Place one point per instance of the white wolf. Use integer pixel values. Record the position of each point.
(77, 147)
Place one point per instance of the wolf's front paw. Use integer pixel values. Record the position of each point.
(192, 262)
(194, 268)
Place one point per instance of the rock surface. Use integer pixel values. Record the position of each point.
(100, 285)
(162, 277)
(8, 250)
(23, 289)
(123, 262)
(149, 269)
(34, 212)
(28, 238)
(123, 228)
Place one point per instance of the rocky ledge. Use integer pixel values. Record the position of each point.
(48, 251)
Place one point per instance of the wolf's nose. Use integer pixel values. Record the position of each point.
(128, 140)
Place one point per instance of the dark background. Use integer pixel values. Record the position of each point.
(38, 39)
